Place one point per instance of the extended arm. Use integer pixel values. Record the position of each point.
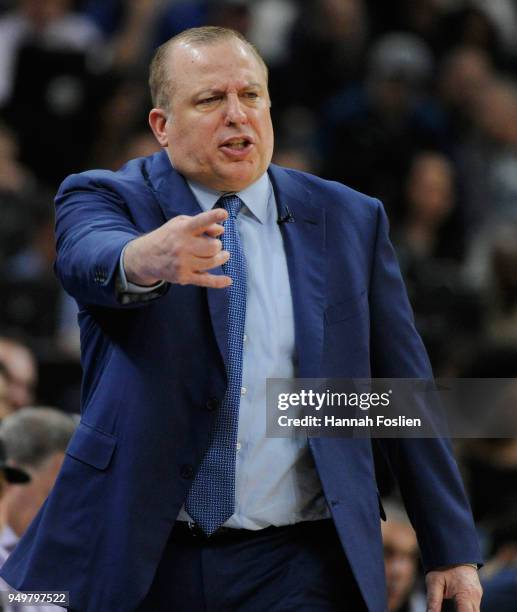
(94, 227)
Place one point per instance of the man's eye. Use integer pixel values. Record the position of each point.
(209, 100)
(251, 95)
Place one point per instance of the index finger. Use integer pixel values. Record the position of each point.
(435, 592)
(199, 223)
(465, 604)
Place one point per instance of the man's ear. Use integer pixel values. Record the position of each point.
(157, 121)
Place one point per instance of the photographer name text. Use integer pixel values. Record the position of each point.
(332, 421)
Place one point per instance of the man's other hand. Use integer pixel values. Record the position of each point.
(459, 583)
(180, 251)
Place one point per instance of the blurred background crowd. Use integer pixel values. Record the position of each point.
(410, 101)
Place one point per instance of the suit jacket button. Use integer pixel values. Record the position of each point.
(212, 404)
(187, 471)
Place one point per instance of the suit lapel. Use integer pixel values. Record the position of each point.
(304, 242)
(175, 198)
(170, 188)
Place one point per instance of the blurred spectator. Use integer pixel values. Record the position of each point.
(140, 144)
(106, 14)
(123, 112)
(51, 84)
(130, 27)
(37, 258)
(503, 15)
(34, 301)
(8, 475)
(50, 21)
(183, 14)
(373, 132)
(271, 24)
(470, 25)
(464, 74)
(14, 177)
(298, 131)
(430, 248)
(35, 440)
(234, 14)
(136, 144)
(497, 111)
(180, 15)
(400, 561)
(491, 474)
(22, 372)
(137, 26)
(488, 163)
(17, 186)
(502, 322)
(295, 157)
(443, 24)
(326, 51)
(132, 43)
(431, 200)
(499, 575)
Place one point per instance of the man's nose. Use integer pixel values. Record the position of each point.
(235, 112)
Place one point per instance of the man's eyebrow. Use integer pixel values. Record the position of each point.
(216, 91)
(208, 92)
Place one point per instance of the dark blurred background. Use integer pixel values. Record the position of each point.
(410, 101)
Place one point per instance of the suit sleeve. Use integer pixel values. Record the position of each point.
(425, 469)
(93, 225)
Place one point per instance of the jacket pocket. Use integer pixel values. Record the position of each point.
(92, 446)
(345, 310)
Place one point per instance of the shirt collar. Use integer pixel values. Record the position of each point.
(255, 197)
(8, 539)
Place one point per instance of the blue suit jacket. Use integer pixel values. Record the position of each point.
(154, 371)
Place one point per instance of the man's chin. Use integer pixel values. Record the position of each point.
(235, 176)
(237, 179)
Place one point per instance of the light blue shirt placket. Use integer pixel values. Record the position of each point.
(276, 481)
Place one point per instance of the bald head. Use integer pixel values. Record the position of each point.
(162, 77)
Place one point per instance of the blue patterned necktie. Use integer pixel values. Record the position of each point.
(211, 500)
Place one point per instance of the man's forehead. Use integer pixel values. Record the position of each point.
(222, 56)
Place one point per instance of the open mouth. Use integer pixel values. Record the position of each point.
(237, 145)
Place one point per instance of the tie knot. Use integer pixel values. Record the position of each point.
(232, 204)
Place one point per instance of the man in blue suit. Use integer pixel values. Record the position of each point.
(200, 272)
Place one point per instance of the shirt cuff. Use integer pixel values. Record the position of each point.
(446, 567)
(124, 286)
(131, 293)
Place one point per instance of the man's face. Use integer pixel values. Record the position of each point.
(22, 374)
(400, 561)
(218, 130)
